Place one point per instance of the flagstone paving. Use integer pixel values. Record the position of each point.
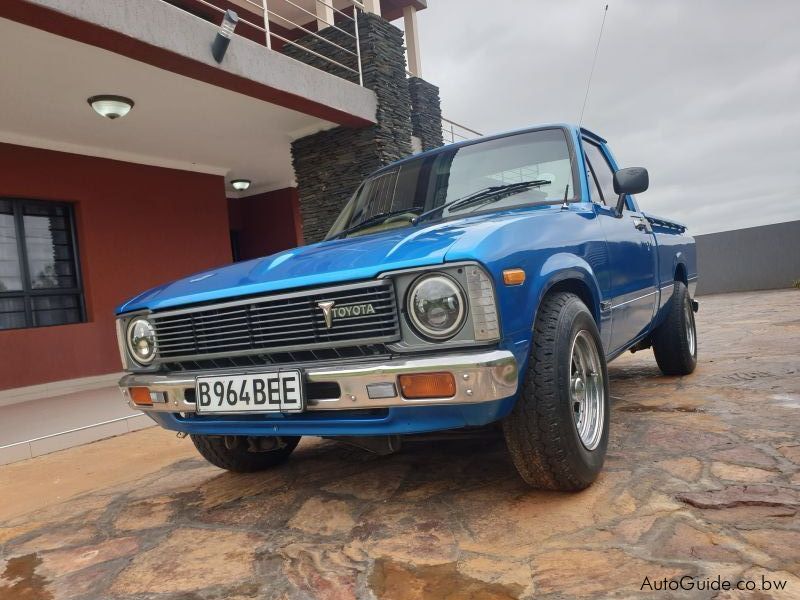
(702, 479)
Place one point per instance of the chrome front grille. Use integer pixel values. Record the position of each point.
(278, 323)
(339, 355)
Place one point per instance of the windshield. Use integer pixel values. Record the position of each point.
(497, 174)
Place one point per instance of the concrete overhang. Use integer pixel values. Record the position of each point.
(162, 35)
(393, 9)
(179, 121)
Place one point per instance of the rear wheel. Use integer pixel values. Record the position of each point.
(675, 340)
(244, 454)
(557, 433)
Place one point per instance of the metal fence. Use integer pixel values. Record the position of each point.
(283, 22)
(453, 132)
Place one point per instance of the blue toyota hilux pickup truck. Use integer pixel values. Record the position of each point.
(482, 283)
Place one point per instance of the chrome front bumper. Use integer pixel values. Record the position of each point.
(480, 377)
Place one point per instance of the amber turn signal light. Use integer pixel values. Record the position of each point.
(427, 385)
(513, 276)
(140, 396)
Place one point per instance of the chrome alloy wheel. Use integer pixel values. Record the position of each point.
(586, 390)
(688, 320)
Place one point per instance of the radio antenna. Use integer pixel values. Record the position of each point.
(594, 61)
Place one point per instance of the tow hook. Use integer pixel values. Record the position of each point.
(695, 306)
(181, 435)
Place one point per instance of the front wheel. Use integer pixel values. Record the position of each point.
(557, 433)
(244, 454)
(675, 340)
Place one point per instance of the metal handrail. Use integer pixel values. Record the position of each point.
(354, 53)
(451, 122)
(358, 43)
(256, 4)
(222, 11)
(271, 15)
(308, 12)
(449, 129)
(316, 35)
(330, 60)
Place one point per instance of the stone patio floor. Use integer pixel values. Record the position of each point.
(702, 479)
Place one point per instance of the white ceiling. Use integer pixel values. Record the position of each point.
(176, 122)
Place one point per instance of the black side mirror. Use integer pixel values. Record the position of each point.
(633, 180)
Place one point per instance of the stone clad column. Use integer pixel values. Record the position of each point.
(329, 165)
(426, 113)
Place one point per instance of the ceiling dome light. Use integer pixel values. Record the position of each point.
(240, 184)
(112, 107)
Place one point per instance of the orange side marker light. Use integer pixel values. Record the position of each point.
(140, 396)
(427, 385)
(513, 276)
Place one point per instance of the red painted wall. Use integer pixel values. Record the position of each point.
(138, 226)
(266, 223)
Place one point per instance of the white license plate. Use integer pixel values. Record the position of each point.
(279, 391)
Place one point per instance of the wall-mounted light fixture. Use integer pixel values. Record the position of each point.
(240, 184)
(111, 106)
(223, 38)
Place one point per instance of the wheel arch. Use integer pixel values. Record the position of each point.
(680, 271)
(568, 273)
(681, 274)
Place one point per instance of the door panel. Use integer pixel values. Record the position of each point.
(633, 267)
(632, 255)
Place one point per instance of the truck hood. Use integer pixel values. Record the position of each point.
(313, 265)
(335, 261)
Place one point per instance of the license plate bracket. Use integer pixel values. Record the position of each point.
(266, 392)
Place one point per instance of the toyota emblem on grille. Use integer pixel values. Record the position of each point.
(327, 312)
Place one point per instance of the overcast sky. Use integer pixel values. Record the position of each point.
(705, 94)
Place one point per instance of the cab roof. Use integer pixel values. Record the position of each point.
(567, 126)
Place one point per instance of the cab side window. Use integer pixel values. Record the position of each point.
(602, 172)
(594, 191)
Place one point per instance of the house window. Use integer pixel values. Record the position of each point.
(39, 277)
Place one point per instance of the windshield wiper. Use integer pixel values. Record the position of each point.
(375, 219)
(487, 195)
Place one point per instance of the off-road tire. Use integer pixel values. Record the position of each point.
(674, 348)
(238, 458)
(541, 434)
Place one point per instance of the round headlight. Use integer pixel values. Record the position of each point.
(436, 306)
(141, 340)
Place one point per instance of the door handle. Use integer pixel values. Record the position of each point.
(640, 225)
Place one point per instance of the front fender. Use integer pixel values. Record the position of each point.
(563, 267)
(556, 269)
(519, 305)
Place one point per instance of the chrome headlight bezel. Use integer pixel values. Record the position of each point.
(130, 342)
(483, 307)
(482, 323)
(425, 329)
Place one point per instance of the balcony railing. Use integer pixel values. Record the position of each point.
(322, 33)
(453, 132)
